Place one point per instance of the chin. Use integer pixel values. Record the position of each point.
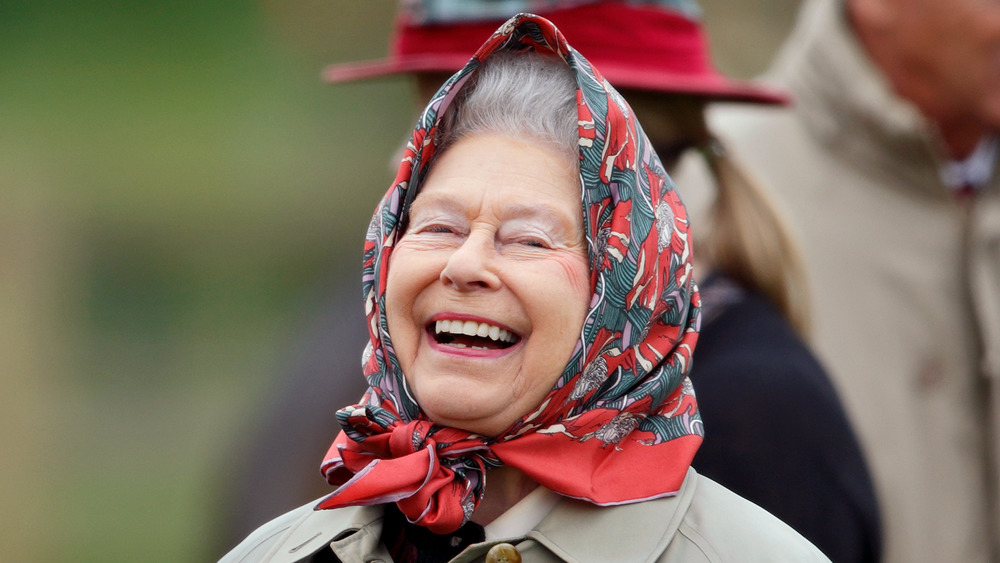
(468, 417)
(454, 409)
(478, 426)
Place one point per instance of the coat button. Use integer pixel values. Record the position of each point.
(503, 553)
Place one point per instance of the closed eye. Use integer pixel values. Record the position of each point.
(534, 243)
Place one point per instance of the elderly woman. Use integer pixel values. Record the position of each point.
(532, 317)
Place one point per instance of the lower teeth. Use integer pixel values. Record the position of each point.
(460, 345)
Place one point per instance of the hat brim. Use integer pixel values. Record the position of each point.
(712, 86)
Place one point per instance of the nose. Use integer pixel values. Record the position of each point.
(472, 265)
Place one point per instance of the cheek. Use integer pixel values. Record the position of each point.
(560, 301)
(393, 313)
(400, 291)
(413, 272)
(576, 273)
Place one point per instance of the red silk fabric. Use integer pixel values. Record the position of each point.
(621, 424)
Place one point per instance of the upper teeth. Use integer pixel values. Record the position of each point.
(472, 328)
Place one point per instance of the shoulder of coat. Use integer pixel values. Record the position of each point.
(298, 534)
(723, 526)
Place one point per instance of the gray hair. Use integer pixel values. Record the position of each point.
(524, 95)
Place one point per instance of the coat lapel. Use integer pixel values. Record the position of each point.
(579, 531)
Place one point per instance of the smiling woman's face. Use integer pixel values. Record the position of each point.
(489, 285)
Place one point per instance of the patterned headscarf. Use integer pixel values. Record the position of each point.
(621, 424)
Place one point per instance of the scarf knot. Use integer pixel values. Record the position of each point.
(436, 473)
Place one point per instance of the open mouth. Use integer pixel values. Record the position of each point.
(471, 334)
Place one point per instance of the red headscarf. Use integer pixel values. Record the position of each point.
(621, 424)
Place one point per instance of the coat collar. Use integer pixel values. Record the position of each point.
(838, 87)
(568, 531)
(572, 526)
(580, 531)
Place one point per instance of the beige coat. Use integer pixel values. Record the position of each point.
(905, 281)
(703, 522)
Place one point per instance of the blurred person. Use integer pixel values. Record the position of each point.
(800, 461)
(886, 163)
(532, 314)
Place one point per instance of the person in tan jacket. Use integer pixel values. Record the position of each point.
(799, 458)
(532, 313)
(886, 167)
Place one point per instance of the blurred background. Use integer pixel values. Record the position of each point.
(177, 188)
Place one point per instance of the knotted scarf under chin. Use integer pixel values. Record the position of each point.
(622, 424)
(435, 475)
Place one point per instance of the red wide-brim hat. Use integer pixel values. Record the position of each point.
(637, 46)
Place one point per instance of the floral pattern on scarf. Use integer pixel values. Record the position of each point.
(621, 424)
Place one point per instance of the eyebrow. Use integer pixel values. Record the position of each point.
(512, 211)
(540, 211)
(433, 200)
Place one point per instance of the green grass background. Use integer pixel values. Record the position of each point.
(176, 185)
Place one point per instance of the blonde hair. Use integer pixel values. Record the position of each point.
(745, 236)
(749, 241)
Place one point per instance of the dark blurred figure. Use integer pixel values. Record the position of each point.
(886, 164)
(802, 463)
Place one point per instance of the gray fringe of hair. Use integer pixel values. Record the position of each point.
(527, 96)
